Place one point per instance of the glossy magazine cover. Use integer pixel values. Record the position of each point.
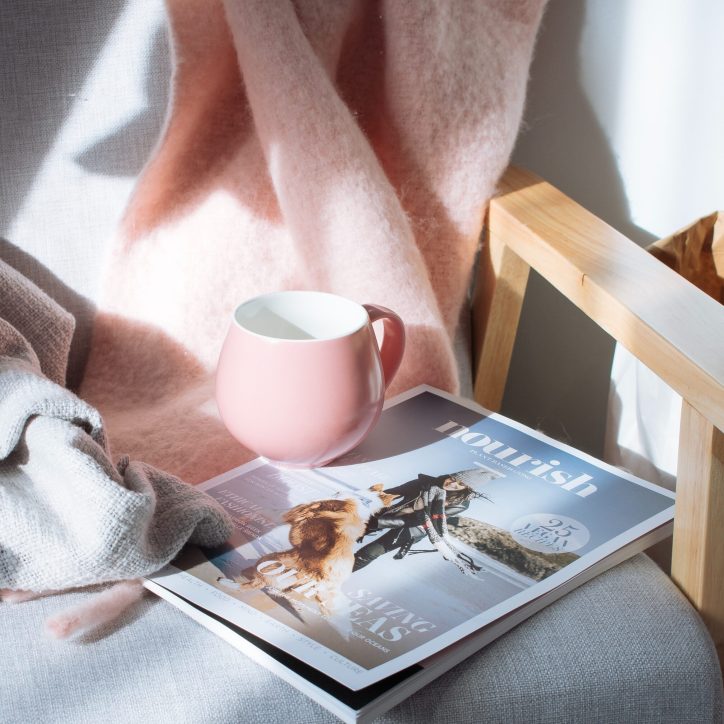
(444, 520)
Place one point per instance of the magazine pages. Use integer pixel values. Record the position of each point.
(446, 521)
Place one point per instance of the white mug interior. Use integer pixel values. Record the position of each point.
(301, 315)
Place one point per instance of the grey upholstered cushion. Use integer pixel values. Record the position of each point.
(625, 647)
(83, 88)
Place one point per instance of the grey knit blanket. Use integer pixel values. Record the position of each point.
(68, 516)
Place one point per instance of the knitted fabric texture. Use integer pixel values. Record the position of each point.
(346, 146)
(69, 517)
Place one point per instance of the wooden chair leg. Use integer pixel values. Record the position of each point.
(499, 291)
(697, 564)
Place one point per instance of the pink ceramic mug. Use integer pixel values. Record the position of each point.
(300, 378)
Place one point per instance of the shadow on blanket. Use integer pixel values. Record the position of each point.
(82, 309)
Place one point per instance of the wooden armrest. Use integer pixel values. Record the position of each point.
(676, 330)
(671, 326)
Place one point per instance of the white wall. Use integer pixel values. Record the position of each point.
(626, 115)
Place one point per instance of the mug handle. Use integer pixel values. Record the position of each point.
(393, 341)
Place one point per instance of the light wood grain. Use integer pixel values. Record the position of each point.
(697, 564)
(499, 290)
(672, 327)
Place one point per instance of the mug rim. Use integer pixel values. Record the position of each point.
(261, 298)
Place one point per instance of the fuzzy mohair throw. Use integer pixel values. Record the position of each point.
(347, 146)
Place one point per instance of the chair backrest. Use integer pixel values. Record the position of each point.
(671, 326)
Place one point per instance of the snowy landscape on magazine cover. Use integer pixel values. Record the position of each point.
(536, 509)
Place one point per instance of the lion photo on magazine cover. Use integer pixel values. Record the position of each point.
(322, 536)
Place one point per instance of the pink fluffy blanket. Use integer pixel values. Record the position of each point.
(346, 146)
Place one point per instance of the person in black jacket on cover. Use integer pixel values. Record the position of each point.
(426, 505)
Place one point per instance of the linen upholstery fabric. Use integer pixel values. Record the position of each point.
(68, 156)
(69, 516)
(595, 656)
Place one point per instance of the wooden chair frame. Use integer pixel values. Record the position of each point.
(671, 326)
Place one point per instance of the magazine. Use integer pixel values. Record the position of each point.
(361, 581)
